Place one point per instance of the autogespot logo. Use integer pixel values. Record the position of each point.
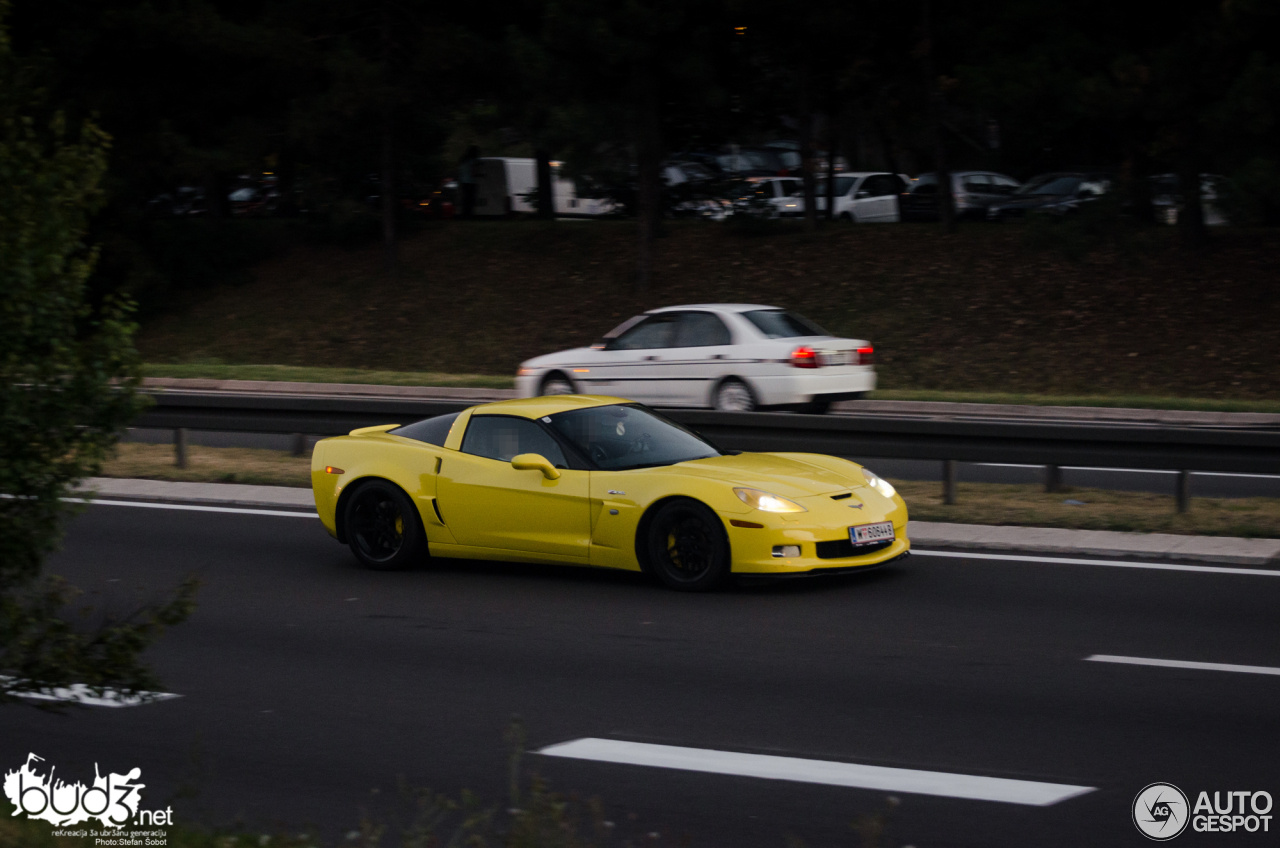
(1160, 811)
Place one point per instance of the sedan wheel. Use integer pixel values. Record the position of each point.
(558, 384)
(735, 396)
(686, 546)
(383, 528)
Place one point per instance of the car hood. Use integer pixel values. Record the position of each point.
(778, 475)
(560, 357)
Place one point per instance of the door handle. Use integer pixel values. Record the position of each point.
(650, 358)
(718, 356)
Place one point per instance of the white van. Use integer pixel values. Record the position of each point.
(506, 185)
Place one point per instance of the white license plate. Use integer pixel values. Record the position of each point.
(865, 534)
(829, 358)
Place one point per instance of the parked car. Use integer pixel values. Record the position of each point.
(863, 196)
(971, 191)
(506, 185)
(1056, 194)
(734, 357)
(1166, 197)
(766, 197)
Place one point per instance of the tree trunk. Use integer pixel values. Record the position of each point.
(1191, 216)
(946, 203)
(648, 175)
(806, 153)
(389, 258)
(546, 204)
(389, 193)
(833, 145)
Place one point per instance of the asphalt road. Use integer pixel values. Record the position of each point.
(307, 682)
(1203, 484)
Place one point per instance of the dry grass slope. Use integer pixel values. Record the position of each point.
(977, 311)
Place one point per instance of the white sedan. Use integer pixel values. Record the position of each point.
(728, 356)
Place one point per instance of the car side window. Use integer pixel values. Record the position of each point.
(504, 437)
(656, 331)
(701, 329)
(977, 183)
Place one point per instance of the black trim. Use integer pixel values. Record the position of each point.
(843, 548)
(817, 572)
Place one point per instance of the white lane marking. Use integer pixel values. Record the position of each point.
(1129, 470)
(80, 693)
(827, 772)
(192, 508)
(1200, 666)
(1110, 563)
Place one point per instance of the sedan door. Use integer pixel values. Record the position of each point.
(701, 355)
(485, 502)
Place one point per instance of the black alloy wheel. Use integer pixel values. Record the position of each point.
(383, 528)
(687, 547)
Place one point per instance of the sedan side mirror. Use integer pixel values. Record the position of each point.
(861, 194)
(535, 462)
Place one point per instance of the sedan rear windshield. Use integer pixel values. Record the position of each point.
(628, 436)
(779, 324)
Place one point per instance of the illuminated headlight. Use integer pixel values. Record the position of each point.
(766, 502)
(880, 484)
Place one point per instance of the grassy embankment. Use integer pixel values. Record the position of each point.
(979, 503)
(984, 313)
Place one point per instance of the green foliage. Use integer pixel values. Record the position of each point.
(68, 370)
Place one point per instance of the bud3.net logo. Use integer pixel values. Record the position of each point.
(1161, 812)
(112, 800)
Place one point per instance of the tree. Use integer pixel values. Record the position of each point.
(68, 371)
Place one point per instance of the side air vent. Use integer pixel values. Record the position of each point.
(842, 497)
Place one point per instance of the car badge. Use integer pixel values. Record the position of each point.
(856, 506)
(616, 492)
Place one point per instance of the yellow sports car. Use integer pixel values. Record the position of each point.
(599, 481)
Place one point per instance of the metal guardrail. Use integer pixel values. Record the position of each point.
(1051, 444)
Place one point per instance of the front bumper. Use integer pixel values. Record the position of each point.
(821, 533)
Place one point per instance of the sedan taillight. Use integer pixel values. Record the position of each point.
(866, 355)
(804, 357)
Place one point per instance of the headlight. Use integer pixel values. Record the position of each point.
(766, 502)
(878, 483)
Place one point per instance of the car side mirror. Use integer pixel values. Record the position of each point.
(861, 194)
(535, 462)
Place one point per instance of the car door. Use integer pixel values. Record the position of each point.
(485, 502)
(877, 198)
(635, 363)
(702, 353)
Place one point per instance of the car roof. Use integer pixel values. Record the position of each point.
(537, 407)
(721, 307)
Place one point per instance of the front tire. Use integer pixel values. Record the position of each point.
(558, 384)
(687, 547)
(383, 529)
(733, 395)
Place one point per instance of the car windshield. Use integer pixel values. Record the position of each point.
(627, 436)
(1050, 184)
(778, 324)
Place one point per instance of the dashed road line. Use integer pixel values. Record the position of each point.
(826, 772)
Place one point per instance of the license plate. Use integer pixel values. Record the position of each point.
(829, 358)
(866, 534)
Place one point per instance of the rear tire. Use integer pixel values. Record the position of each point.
(733, 395)
(383, 528)
(687, 547)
